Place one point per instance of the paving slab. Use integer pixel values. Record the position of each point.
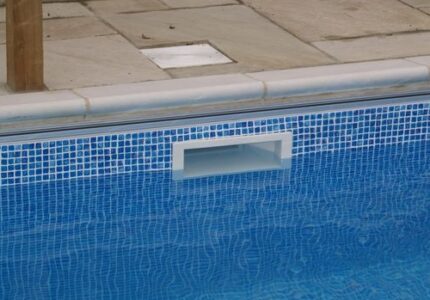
(2, 33)
(2, 64)
(72, 28)
(315, 20)
(68, 28)
(197, 3)
(3, 90)
(418, 3)
(123, 6)
(237, 31)
(58, 10)
(96, 61)
(64, 10)
(379, 47)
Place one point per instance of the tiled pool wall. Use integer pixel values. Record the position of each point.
(151, 150)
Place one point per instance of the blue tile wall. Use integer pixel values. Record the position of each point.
(151, 150)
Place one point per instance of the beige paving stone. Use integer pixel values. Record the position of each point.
(315, 20)
(2, 33)
(103, 7)
(197, 3)
(64, 10)
(214, 70)
(96, 61)
(58, 10)
(380, 47)
(246, 37)
(72, 28)
(69, 28)
(3, 90)
(418, 3)
(3, 69)
(2, 63)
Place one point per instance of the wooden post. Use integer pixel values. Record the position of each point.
(24, 39)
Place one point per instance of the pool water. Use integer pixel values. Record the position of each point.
(351, 224)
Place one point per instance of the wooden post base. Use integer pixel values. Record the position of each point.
(24, 39)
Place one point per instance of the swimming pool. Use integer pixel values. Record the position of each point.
(98, 216)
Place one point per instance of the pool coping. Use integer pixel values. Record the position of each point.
(211, 90)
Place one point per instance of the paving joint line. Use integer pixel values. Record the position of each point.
(335, 60)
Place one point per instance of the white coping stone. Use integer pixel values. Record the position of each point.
(171, 93)
(342, 77)
(40, 105)
(213, 89)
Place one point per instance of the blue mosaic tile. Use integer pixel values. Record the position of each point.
(152, 150)
(349, 225)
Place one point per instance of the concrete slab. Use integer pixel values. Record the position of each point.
(2, 33)
(2, 64)
(213, 70)
(102, 7)
(246, 37)
(3, 90)
(68, 28)
(72, 28)
(64, 10)
(197, 3)
(58, 10)
(315, 20)
(96, 61)
(418, 3)
(380, 47)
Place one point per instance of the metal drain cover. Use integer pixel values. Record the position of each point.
(185, 56)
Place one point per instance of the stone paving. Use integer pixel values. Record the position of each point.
(97, 42)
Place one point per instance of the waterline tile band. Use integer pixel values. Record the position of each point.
(151, 150)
